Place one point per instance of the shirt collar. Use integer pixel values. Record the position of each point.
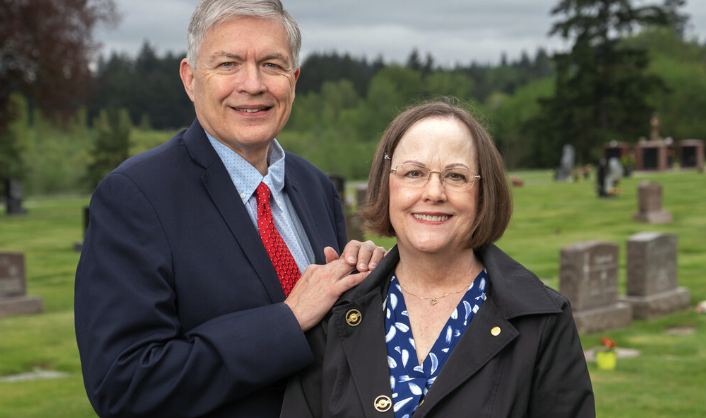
(245, 177)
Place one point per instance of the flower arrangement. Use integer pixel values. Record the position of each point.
(608, 343)
(606, 359)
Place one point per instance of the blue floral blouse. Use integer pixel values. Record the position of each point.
(410, 381)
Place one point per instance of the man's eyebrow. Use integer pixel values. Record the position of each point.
(226, 54)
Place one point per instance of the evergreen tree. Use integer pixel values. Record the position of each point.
(601, 85)
(112, 144)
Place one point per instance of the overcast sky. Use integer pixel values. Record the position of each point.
(452, 31)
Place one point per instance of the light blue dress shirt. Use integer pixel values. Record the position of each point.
(246, 178)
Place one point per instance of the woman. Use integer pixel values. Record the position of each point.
(447, 325)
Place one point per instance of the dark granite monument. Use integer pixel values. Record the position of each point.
(13, 287)
(652, 276)
(588, 276)
(13, 197)
(651, 156)
(649, 195)
(691, 154)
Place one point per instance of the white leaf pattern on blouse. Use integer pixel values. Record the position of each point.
(405, 378)
(392, 382)
(419, 369)
(400, 404)
(434, 362)
(449, 334)
(454, 314)
(393, 301)
(415, 389)
(468, 309)
(402, 327)
(405, 357)
(387, 314)
(390, 334)
(391, 362)
(411, 342)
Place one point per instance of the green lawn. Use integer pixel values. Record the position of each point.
(666, 380)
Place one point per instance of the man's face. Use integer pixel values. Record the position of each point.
(243, 86)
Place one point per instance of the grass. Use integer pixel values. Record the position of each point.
(666, 380)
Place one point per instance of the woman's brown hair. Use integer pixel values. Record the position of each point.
(494, 199)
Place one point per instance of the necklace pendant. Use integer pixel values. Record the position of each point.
(433, 301)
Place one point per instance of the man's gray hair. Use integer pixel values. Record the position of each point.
(211, 13)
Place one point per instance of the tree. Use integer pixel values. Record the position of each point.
(45, 49)
(112, 144)
(601, 86)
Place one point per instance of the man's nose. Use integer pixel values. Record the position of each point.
(250, 80)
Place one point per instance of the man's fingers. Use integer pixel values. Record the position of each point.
(378, 255)
(330, 254)
(350, 253)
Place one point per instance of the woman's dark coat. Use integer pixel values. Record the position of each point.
(534, 366)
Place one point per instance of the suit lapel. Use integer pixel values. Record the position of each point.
(217, 182)
(301, 207)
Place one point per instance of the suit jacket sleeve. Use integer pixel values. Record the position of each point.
(137, 360)
(561, 383)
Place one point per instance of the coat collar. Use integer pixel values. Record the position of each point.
(515, 290)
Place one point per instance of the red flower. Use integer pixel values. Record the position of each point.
(608, 343)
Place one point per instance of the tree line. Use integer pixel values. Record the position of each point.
(625, 63)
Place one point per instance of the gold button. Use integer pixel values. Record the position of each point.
(353, 317)
(382, 403)
(495, 331)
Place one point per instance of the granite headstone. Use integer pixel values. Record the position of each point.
(588, 276)
(652, 289)
(13, 287)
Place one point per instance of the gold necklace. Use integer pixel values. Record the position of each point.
(434, 300)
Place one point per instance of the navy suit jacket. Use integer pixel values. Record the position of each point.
(179, 312)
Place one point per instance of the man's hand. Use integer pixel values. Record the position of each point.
(319, 288)
(363, 255)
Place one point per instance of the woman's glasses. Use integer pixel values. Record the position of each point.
(416, 175)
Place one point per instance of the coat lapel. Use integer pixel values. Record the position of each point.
(477, 347)
(365, 350)
(217, 182)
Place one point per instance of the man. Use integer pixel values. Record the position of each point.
(181, 291)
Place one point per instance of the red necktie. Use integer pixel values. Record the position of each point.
(282, 259)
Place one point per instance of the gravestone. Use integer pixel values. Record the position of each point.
(601, 169)
(13, 287)
(651, 156)
(649, 195)
(13, 197)
(566, 166)
(652, 289)
(691, 154)
(588, 276)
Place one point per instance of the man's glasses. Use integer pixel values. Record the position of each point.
(415, 175)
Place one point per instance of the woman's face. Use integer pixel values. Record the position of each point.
(434, 218)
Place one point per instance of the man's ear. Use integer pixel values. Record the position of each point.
(188, 74)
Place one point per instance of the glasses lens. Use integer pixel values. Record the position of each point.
(458, 178)
(412, 174)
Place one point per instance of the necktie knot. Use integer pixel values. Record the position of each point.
(262, 194)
